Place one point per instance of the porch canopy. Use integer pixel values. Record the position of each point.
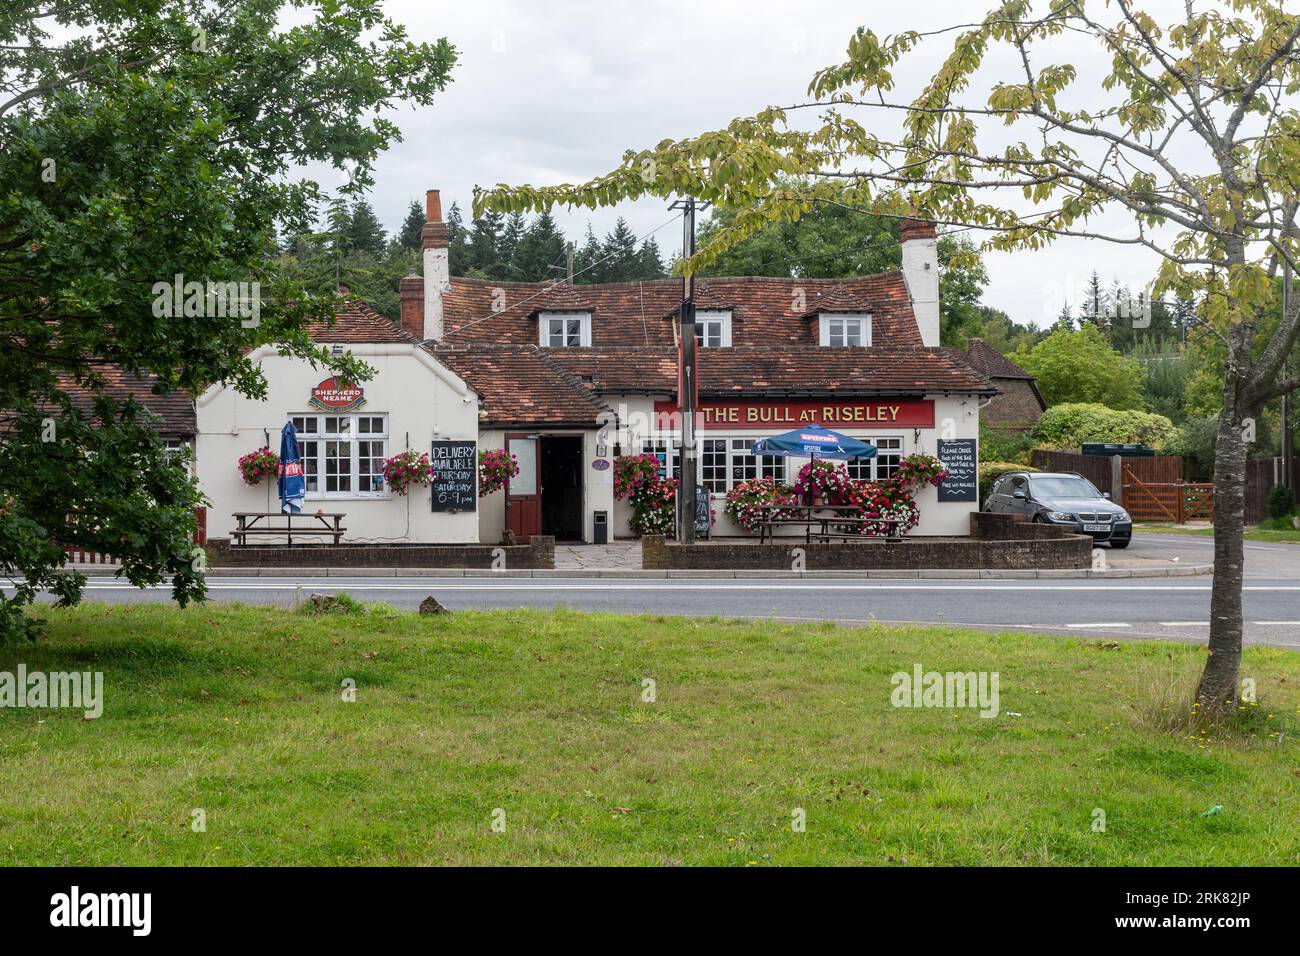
(815, 441)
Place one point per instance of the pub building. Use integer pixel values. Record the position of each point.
(569, 377)
(572, 376)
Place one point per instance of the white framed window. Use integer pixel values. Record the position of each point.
(713, 464)
(745, 465)
(564, 330)
(844, 330)
(713, 330)
(889, 452)
(343, 455)
(669, 453)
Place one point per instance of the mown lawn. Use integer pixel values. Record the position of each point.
(1251, 534)
(238, 712)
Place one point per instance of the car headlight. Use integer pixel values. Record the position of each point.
(1123, 516)
(1060, 516)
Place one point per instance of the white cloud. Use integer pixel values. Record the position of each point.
(549, 93)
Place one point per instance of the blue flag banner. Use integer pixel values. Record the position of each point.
(293, 483)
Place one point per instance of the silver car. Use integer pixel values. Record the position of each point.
(1062, 498)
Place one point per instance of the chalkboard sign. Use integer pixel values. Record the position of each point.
(703, 512)
(960, 459)
(455, 463)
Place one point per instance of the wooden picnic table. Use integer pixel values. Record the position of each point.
(823, 517)
(256, 524)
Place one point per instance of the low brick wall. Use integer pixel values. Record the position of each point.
(539, 553)
(996, 542)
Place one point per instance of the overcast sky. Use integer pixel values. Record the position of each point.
(554, 92)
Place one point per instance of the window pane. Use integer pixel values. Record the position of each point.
(338, 466)
(744, 466)
(310, 464)
(574, 336)
(713, 464)
(370, 466)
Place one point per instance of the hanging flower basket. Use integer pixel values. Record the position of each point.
(495, 469)
(916, 470)
(258, 465)
(823, 482)
(408, 469)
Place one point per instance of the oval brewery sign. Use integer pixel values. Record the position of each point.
(334, 396)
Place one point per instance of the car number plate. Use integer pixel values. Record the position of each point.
(1096, 527)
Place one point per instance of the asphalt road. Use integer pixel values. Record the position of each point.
(1161, 608)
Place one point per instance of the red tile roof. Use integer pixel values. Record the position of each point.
(988, 360)
(766, 370)
(521, 386)
(355, 324)
(765, 311)
(175, 408)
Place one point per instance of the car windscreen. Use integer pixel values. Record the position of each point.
(1061, 487)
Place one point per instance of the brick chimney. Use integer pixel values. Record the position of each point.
(921, 273)
(437, 274)
(410, 292)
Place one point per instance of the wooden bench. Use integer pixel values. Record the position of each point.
(258, 524)
(823, 517)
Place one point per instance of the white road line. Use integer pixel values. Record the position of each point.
(1183, 623)
(1278, 623)
(443, 584)
(1097, 625)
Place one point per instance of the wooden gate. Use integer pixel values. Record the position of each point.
(1171, 501)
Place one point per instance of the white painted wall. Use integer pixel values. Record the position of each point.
(492, 508)
(597, 486)
(423, 400)
(955, 417)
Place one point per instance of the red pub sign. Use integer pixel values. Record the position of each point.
(334, 396)
(839, 413)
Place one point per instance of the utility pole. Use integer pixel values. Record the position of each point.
(568, 260)
(1288, 440)
(686, 381)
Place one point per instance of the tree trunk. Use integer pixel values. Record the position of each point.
(1217, 692)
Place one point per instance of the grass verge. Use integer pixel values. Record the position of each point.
(1251, 534)
(238, 713)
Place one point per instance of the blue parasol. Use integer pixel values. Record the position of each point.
(293, 484)
(815, 441)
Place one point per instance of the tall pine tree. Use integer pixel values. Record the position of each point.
(409, 235)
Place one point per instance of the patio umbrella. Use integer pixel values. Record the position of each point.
(815, 441)
(293, 485)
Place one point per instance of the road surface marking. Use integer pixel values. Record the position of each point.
(1098, 625)
(717, 584)
(1183, 623)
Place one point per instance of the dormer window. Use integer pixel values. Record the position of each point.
(844, 330)
(564, 330)
(713, 330)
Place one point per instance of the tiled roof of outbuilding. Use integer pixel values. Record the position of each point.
(520, 386)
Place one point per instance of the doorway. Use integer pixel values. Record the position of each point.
(560, 474)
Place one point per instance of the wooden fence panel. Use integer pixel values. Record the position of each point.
(1093, 467)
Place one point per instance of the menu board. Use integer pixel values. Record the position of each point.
(960, 458)
(455, 467)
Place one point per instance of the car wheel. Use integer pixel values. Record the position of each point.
(1120, 545)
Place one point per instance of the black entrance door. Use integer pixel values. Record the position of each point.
(561, 481)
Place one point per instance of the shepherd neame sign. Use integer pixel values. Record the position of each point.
(332, 395)
(916, 413)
